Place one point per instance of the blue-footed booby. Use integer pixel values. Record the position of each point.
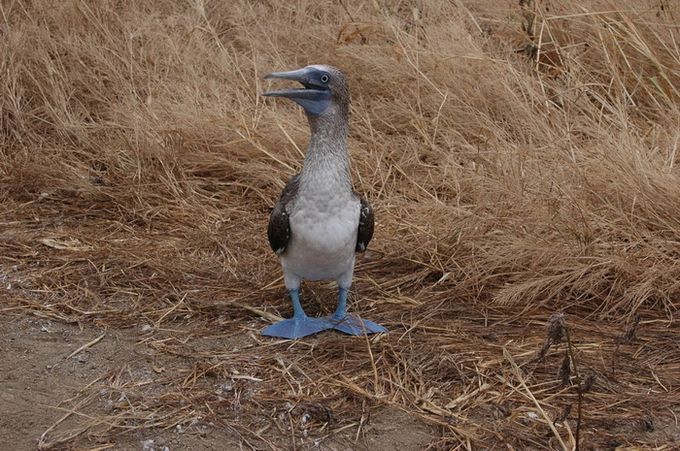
(319, 221)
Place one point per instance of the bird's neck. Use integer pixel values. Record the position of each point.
(326, 163)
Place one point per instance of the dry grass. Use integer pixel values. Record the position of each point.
(521, 160)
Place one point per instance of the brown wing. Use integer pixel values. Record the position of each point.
(366, 223)
(278, 230)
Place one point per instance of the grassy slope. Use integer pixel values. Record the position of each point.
(508, 185)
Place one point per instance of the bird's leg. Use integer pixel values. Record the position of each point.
(351, 324)
(341, 309)
(298, 311)
(300, 325)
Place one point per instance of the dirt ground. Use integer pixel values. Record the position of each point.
(44, 378)
(37, 376)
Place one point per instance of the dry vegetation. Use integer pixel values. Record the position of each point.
(521, 158)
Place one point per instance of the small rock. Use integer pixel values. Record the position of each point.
(147, 328)
(82, 358)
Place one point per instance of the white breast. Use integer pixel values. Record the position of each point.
(324, 225)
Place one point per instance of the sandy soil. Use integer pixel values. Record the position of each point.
(37, 376)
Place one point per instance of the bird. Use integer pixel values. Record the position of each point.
(319, 221)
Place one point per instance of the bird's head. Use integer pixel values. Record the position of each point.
(325, 89)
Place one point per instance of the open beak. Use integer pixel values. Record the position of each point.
(313, 97)
(303, 76)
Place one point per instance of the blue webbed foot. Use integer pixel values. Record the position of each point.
(356, 326)
(351, 325)
(296, 327)
(300, 325)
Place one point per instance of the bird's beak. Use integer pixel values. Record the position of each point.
(314, 98)
(303, 76)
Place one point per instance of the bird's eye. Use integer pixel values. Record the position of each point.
(324, 78)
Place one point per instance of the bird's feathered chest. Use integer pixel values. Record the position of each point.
(325, 213)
